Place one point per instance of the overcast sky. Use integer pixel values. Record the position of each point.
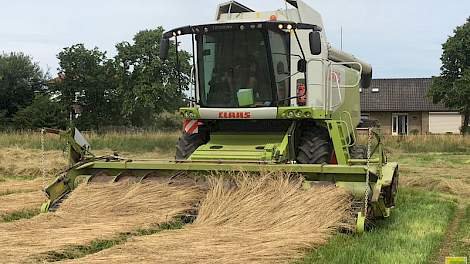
(400, 38)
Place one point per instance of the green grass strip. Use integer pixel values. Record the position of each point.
(80, 251)
(412, 234)
(18, 215)
(459, 248)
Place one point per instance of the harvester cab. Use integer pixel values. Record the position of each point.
(271, 94)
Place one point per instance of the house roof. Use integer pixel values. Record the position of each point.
(404, 94)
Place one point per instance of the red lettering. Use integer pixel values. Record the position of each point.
(234, 115)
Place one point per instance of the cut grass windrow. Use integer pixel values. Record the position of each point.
(95, 246)
(267, 219)
(95, 212)
(15, 202)
(412, 234)
(19, 162)
(10, 186)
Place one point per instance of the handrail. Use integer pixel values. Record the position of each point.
(354, 139)
(359, 74)
(338, 86)
(349, 132)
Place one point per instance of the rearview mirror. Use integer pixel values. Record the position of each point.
(302, 65)
(164, 47)
(315, 42)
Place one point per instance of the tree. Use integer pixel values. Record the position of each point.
(89, 79)
(149, 86)
(452, 87)
(20, 79)
(43, 112)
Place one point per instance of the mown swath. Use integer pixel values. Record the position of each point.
(27, 162)
(262, 220)
(10, 186)
(19, 201)
(96, 211)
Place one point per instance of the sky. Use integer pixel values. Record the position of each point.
(400, 38)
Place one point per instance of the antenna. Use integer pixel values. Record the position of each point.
(341, 38)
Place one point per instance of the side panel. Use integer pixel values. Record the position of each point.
(349, 110)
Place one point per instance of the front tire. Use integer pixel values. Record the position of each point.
(315, 146)
(187, 143)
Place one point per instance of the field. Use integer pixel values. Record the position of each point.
(431, 221)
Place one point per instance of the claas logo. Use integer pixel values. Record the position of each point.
(234, 115)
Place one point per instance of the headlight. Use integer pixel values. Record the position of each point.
(298, 113)
(291, 114)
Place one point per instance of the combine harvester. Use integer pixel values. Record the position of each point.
(270, 94)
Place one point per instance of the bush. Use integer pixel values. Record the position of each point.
(168, 122)
(43, 112)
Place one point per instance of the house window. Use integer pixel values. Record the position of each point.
(400, 124)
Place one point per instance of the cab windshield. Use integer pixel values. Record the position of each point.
(247, 68)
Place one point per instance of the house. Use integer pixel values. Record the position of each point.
(401, 107)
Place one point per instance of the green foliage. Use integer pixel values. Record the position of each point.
(132, 89)
(169, 122)
(43, 112)
(149, 86)
(452, 87)
(88, 79)
(412, 234)
(20, 79)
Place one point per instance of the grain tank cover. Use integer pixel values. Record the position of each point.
(232, 7)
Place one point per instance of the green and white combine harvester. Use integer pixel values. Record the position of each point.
(270, 94)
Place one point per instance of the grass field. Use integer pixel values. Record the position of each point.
(165, 142)
(431, 221)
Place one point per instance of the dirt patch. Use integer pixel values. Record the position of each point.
(94, 212)
(262, 220)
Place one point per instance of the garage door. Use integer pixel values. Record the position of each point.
(442, 123)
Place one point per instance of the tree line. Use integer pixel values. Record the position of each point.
(134, 88)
